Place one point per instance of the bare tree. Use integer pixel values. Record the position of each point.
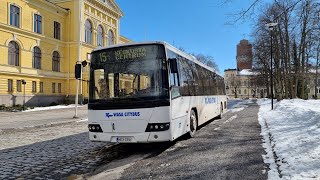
(207, 60)
(295, 45)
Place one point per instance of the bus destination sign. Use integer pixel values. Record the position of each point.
(123, 54)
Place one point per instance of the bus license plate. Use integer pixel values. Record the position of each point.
(124, 139)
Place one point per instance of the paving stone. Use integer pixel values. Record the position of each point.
(2, 176)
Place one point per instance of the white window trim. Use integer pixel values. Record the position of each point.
(42, 23)
(20, 15)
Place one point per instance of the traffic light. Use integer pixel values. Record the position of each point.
(84, 63)
(77, 71)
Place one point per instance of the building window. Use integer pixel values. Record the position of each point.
(53, 87)
(88, 32)
(100, 35)
(34, 86)
(19, 85)
(37, 24)
(232, 91)
(41, 87)
(13, 54)
(56, 61)
(36, 61)
(59, 87)
(245, 91)
(239, 91)
(110, 38)
(14, 16)
(10, 85)
(56, 30)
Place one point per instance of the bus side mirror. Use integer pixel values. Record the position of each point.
(173, 65)
(77, 71)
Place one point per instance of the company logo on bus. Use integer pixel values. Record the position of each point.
(210, 100)
(121, 114)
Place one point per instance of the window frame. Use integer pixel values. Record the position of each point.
(53, 87)
(88, 32)
(16, 22)
(111, 37)
(41, 87)
(10, 85)
(36, 58)
(37, 23)
(34, 86)
(56, 30)
(56, 61)
(59, 88)
(13, 54)
(19, 84)
(100, 36)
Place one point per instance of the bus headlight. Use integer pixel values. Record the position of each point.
(94, 128)
(152, 127)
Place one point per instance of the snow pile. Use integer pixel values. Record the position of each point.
(291, 135)
(51, 107)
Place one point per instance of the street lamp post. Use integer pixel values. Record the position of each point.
(271, 26)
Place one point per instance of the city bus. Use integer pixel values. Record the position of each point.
(150, 92)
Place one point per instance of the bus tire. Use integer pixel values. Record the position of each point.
(193, 124)
(221, 111)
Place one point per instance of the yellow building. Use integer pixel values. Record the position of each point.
(41, 41)
(242, 84)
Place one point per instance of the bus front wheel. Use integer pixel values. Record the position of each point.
(193, 124)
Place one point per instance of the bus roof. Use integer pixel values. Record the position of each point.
(167, 45)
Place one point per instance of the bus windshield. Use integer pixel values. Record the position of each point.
(130, 73)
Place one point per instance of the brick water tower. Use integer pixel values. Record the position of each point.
(244, 55)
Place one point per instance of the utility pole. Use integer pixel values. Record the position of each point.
(79, 57)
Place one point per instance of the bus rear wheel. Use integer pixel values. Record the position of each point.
(193, 124)
(221, 111)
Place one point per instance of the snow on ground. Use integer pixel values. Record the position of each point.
(291, 135)
(52, 107)
(236, 105)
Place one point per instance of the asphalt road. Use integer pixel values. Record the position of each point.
(228, 148)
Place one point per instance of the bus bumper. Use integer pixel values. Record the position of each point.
(143, 137)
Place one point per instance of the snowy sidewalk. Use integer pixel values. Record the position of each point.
(41, 117)
(291, 138)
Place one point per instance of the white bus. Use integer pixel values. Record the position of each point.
(150, 92)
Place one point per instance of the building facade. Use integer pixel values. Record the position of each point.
(41, 41)
(241, 82)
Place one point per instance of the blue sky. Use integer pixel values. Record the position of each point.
(196, 25)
